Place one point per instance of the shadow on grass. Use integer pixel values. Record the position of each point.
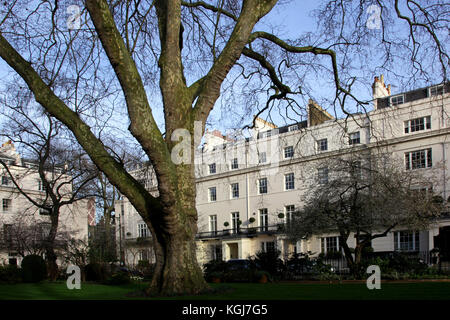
(211, 291)
(233, 291)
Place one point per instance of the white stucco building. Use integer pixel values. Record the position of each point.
(244, 184)
(23, 224)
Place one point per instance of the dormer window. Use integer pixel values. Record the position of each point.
(436, 90)
(293, 127)
(266, 134)
(395, 100)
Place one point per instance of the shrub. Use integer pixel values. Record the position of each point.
(96, 272)
(269, 261)
(300, 263)
(216, 277)
(10, 274)
(239, 275)
(145, 269)
(328, 276)
(404, 263)
(34, 268)
(214, 268)
(118, 278)
(262, 276)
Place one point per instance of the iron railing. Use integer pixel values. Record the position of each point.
(242, 232)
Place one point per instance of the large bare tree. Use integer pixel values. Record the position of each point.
(124, 49)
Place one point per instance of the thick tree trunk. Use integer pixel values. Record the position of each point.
(52, 266)
(177, 271)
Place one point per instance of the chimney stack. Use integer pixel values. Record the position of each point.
(379, 90)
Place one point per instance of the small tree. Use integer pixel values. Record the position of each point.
(64, 173)
(367, 199)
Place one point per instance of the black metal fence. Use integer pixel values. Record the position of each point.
(339, 265)
(241, 231)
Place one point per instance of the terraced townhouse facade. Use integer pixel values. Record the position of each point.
(248, 188)
(23, 225)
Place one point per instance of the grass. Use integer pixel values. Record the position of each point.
(237, 291)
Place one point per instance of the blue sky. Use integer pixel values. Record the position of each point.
(291, 19)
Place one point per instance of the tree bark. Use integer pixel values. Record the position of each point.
(50, 255)
(174, 229)
(177, 271)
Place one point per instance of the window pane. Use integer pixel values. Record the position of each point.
(263, 185)
(235, 190)
(354, 138)
(234, 163)
(262, 157)
(289, 181)
(322, 145)
(289, 152)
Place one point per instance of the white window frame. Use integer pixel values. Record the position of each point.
(210, 166)
(293, 127)
(235, 221)
(41, 186)
(324, 244)
(263, 219)
(413, 246)
(234, 164)
(142, 230)
(213, 223)
(266, 186)
(322, 175)
(5, 180)
(393, 100)
(352, 140)
(428, 159)
(288, 212)
(144, 253)
(357, 169)
(264, 245)
(6, 205)
(288, 152)
(436, 88)
(319, 145)
(426, 125)
(262, 157)
(289, 184)
(234, 191)
(210, 193)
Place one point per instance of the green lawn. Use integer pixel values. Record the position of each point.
(237, 291)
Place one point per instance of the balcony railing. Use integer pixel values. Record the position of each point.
(243, 232)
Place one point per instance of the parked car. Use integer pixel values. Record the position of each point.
(242, 264)
(238, 264)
